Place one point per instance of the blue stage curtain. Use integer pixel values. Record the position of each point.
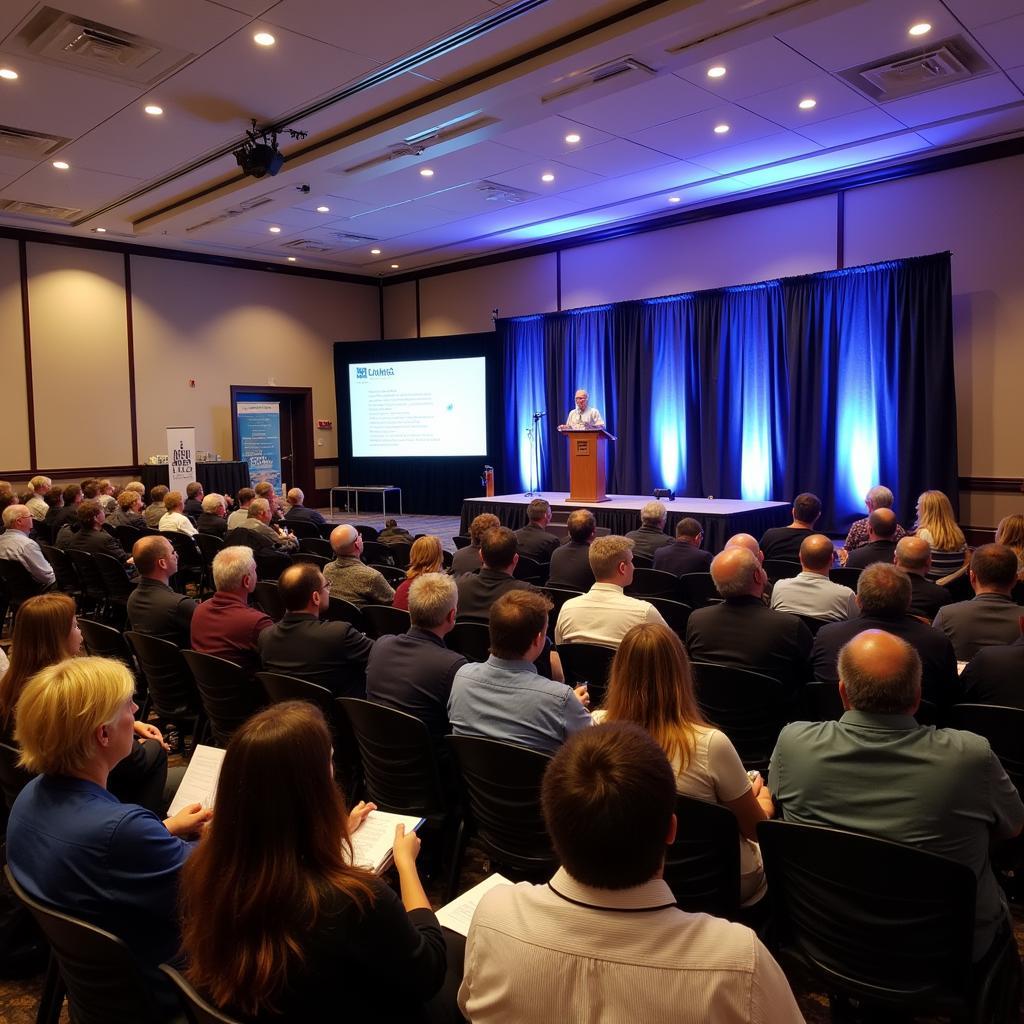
(829, 383)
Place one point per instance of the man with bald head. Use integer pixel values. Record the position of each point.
(153, 608)
(742, 632)
(811, 592)
(877, 497)
(877, 772)
(881, 545)
(297, 511)
(348, 577)
(914, 557)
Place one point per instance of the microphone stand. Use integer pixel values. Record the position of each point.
(534, 437)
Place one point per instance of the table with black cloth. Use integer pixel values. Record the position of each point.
(216, 477)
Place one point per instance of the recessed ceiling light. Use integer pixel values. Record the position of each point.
(375, 252)
(100, 231)
(323, 209)
(153, 110)
(264, 39)
(807, 104)
(572, 138)
(674, 199)
(547, 176)
(292, 259)
(61, 165)
(9, 74)
(920, 29)
(716, 72)
(275, 230)
(721, 129)
(394, 266)
(426, 172)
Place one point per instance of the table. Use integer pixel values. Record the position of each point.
(382, 489)
(226, 478)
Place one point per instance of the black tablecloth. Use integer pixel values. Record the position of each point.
(216, 477)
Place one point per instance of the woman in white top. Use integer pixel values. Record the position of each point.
(651, 685)
(174, 519)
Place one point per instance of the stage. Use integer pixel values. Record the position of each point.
(720, 517)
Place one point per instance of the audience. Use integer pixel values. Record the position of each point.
(603, 940)
(685, 555)
(746, 540)
(331, 654)
(876, 771)
(239, 516)
(348, 577)
(213, 518)
(266, 491)
(811, 592)
(651, 685)
(651, 535)
(92, 537)
(504, 698)
(479, 590)
(605, 614)
(467, 559)
(991, 616)
(278, 923)
(106, 496)
(39, 486)
(54, 505)
(394, 534)
(938, 526)
(881, 543)
(533, 539)
(1010, 532)
(174, 519)
(17, 546)
(878, 497)
(425, 556)
(995, 675)
(298, 513)
(258, 522)
(784, 541)
(914, 557)
(128, 511)
(570, 563)
(68, 514)
(155, 510)
(194, 500)
(153, 607)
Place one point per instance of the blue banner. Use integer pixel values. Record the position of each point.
(259, 441)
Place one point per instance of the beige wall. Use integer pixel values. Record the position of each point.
(400, 310)
(14, 451)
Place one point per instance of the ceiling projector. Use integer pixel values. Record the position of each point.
(259, 155)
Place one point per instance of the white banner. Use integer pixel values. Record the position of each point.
(181, 457)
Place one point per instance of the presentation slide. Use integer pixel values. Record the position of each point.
(426, 407)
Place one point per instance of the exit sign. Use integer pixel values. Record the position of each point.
(324, 425)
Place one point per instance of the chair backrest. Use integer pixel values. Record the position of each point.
(461, 541)
(301, 529)
(316, 546)
(1003, 727)
(367, 532)
(822, 702)
(702, 866)
(653, 583)
(781, 569)
(400, 551)
(531, 570)
(187, 549)
(376, 553)
(268, 597)
(675, 613)
(501, 783)
(697, 589)
(279, 687)
(869, 917)
(105, 641)
(340, 610)
(399, 763)
(391, 573)
(308, 558)
(383, 620)
(844, 576)
(172, 690)
(587, 663)
(88, 573)
(813, 623)
(104, 982)
(18, 581)
(115, 577)
(270, 563)
(209, 546)
(447, 558)
(643, 561)
(470, 639)
(557, 596)
(13, 778)
(228, 693)
(196, 1009)
(63, 569)
(127, 536)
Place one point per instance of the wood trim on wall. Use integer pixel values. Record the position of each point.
(991, 484)
(26, 335)
(72, 472)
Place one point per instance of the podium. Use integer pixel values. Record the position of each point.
(587, 464)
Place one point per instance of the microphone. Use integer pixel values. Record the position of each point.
(539, 415)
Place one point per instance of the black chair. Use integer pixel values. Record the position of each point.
(196, 1009)
(675, 613)
(301, 529)
(391, 573)
(127, 536)
(747, 706)
(19, 584)
(400, 553)
(1018, 592)
(316, 546)
(814, 624)
(209, 547)
(94, 592)
(822, 702)
(267, 597)
(106, 642)
(67, 578)
(702, 866)
(531, 570)
(501, 786)
(270, 563)
(375, 553)
(172, 690)
(118, 584)
(13, 778)
(697, 589)
(340, 610)
(781, 569)
(653, 583)
(888, 925)
(461, 541)
(587, 663)
(307, 558)
(229, 694)
(845, 577)
(557, 596)
(642, 561)
(471, 639)
(447, 558)
(1003, 727)
(368, 533)
(383, 620)
(190, 560)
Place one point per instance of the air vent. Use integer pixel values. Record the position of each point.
(916, 71)
(352, 238)
(621, 68)
(28, 145)
(243, 207)
(495, 193)
(308, 245)
(14, 208)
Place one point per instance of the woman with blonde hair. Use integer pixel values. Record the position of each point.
(651, 684)
(1010, 532)
(424, 556)
(937, 525)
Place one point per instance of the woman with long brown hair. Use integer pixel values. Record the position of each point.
(1010, 532)
(936, 524)
(425, 555)
(651, 684)
(277, 923)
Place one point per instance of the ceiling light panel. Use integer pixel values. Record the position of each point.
(782, 105)
(547, 137)
(688, 136)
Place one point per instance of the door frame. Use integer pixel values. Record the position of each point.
(300, 414)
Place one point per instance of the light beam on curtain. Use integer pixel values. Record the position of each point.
(523, 348)
(667, 322)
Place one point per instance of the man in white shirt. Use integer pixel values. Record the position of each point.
(604, 615)
(604, 940)
(811, 592)
(17, 546)
(583, 417)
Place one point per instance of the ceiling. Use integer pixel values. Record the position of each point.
(483, 93)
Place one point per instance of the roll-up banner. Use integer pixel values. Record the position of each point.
(259, 441)
(181, 457)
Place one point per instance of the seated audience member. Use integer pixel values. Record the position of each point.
(54, 505)
(746, 540)
(174, 519)
(394, 534)
(881, 543)
(504, 698)
(266, 491)
(40, 487)
(278, 923)
(259, 521)
(106, 496)
(71, 843)
(413, 672)
(914, 557)
(92, 537)
(348, 577)
(685, 555)
(811, 592)
(651, 685)
(155, 510)
(533, 539)
(153, 608)
(741, 632)
(17, 546)
(784, 541)
(535, 952)
(128, 511)
(498, 555)
(68, 514)
(213, 518)
(878, 497)
(468, 559)
(298, 513)
(991, 617)
(225, 625)
(239, 516)
(331, 654)
(425, 556)
(604, 614)
(570, 563)
(138, 486)
(995, 675)
(883, 596)
(1010, 532)
(651, 535)
(936, 524)
(194, 500)
(876, 771)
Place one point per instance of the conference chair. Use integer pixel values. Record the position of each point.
(471, 639)
(781, 569)
(209, 547)
(368, 533)
(846, 577)
(196, 1009)
(887, 925)
(127, 536)
(1018, 592)
(382, 620)
(190, 561)
(106, 642)
(447, 559)
(822, 703)
(172, 691)
(300, 529)
(652, 583)
(19, 584)
(400, 553)
(340, 610)
(316, 546)
(13, 778)
(1003, 727)
(228, 693)
(270, 563)
(697, 589)
(307, 558)
(557, 596)
(67, 578)
(94, 593)
(587, 663)
(675, 613)
(530, 570)
(642, 561)
(813, 623)
(267, 597)
(391, 573)
(376, 553)
(117, 584)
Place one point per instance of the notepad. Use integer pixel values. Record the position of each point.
(373, 840)
(199, 784)
(458, 914)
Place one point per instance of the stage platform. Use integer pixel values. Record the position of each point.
(720, 517)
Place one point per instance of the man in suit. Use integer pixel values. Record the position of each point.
(92, 537)
(302, 644)
(881, 545)
(995, 675)
(213, 518)
(883, 595)
(68, 515)
(914, 557)
(651, 535)
(685, 555)
(153, 608)
(468, 559)
(533, 539)
(570, 563)
(784, 541)
(478, 591)
(991, 617)
(298, 513)
(194, 500)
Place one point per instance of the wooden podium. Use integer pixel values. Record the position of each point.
(587, 464)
